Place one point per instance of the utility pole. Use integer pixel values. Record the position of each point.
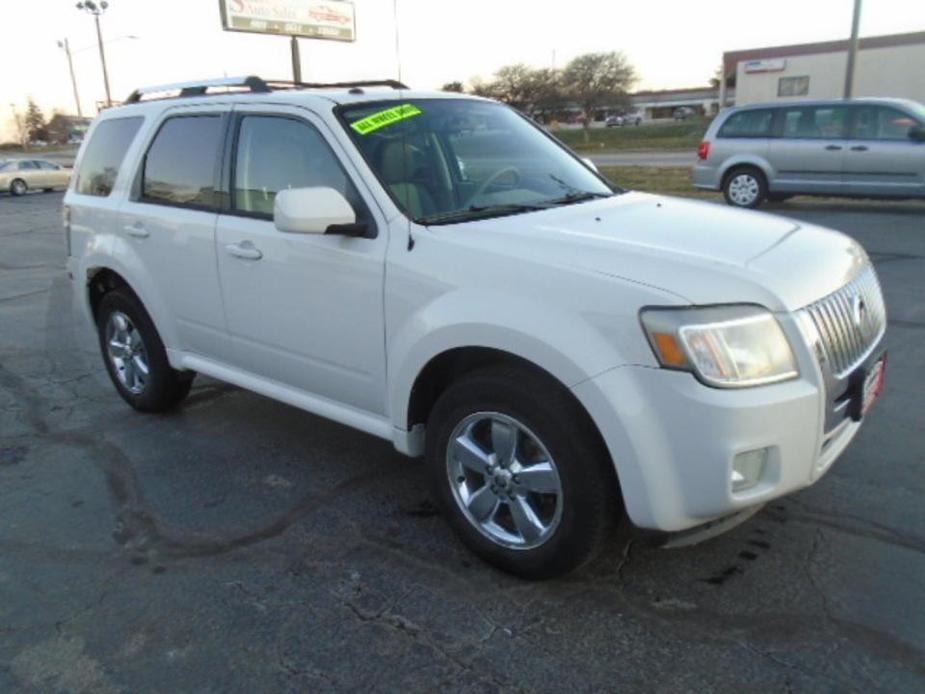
(96, 10)
(296, 60)
(852, 49)
(70, 64)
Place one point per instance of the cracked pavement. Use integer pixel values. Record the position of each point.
(239, 544)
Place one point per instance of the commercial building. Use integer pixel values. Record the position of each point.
(654, 105)
(891, 65)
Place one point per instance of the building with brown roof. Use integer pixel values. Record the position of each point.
(891, 65)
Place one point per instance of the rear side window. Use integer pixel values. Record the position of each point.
(104, 154)
(814, 122)
(180, 166)
(755, 123)
(881, 123)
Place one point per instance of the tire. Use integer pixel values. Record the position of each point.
(745, 187)
(578, 519)
(122, 318)
(18, 187)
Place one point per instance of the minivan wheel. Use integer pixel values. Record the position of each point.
(520, 472)
(18, 187)
(745, 187)
(135, 356)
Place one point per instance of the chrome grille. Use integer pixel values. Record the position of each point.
(850, 321)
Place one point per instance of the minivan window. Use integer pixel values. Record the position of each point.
(179, 168)
(751, 123)
(276, 153)
(814, 122)
(104, 154)
(881, 123)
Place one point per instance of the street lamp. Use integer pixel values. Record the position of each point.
(96, 9)
(66, 47)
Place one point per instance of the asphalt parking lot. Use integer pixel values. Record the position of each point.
(239, 544)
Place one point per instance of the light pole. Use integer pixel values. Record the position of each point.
(96, 10)
(852, 49)
(70, 63)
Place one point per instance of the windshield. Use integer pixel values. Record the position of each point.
(451, 160)
(6, 165)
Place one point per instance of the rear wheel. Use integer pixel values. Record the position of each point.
(745, 187)
(135, 356)
(18, 187)
(520, 472)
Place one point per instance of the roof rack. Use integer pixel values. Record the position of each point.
(254, 84)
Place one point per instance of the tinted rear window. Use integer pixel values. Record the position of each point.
(104, 155)
(179, 168)
(748, 124)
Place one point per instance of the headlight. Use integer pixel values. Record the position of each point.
(724, 346)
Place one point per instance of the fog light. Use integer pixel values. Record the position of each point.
(747, 469)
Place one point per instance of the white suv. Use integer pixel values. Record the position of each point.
(437, 271)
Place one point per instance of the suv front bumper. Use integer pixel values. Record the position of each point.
(673, 441)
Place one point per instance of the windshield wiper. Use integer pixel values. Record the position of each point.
(478, 212)
(577, 196)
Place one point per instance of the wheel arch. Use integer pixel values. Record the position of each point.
(742, 162)
(448, 366)
(104, 277)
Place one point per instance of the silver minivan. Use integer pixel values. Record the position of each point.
(857, 147)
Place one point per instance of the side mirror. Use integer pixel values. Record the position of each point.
(917, 133)
(590, 164)
(314, 211)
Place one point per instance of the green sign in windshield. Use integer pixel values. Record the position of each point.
(364, 126)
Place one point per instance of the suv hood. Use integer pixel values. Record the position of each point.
(702, 252)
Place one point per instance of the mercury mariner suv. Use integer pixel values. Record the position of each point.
(438, 271)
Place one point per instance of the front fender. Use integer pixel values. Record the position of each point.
(567, 345)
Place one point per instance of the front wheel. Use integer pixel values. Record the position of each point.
(521, 473)
(18, 187)
(745, 187)
(135, 356)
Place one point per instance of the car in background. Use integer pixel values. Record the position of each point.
(19, 175)
(868, 147)
(684, 113)
(618, 121)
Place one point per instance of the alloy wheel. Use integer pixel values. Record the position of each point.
(127, 352)
(504, 480)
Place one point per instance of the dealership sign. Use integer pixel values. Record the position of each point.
(766, 65)
(314, 19)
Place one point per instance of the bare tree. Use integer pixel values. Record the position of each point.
(19, 127)
(36, 128)
(594, 80)
(454, 86)
(526, 89)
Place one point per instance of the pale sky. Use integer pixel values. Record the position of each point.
(672, 43)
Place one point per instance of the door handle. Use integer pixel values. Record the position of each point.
(136, 230)
(833, 148)
(244, 250)
(859, 148)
